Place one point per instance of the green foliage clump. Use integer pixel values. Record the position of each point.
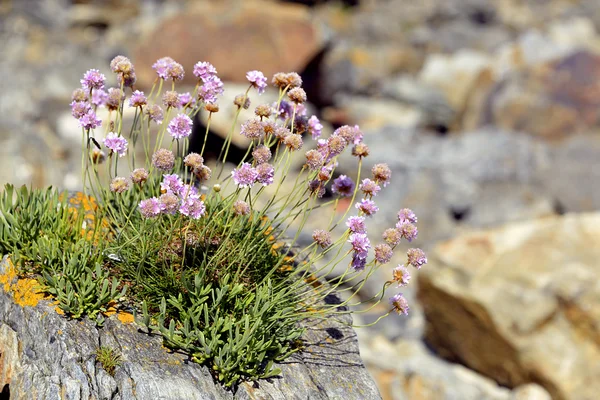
(109, 358)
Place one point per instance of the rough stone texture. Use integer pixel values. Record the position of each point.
(520, 303)
(46, 356)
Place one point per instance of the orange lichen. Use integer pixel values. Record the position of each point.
(25, 291)
(125, 317)
(313, 281)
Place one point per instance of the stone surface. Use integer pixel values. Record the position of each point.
(520, 303)
(46, 356)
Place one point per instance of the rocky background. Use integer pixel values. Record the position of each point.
(488, 113)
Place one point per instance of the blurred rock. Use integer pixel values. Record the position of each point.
(248, 35)
(519, 303)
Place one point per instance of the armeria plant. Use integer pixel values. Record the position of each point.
(208, 258)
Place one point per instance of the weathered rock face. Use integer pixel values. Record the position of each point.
(43, 355)
(521, 303)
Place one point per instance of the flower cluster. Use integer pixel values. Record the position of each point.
(176, 197)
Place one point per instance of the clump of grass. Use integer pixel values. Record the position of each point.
(109, 358)
(209, 260)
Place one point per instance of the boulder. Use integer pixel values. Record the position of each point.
(47, 356)
(520, 303)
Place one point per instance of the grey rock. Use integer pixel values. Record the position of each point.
(47, 356)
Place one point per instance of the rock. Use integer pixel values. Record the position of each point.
(247, 35)
(519, 303)
(46, 356)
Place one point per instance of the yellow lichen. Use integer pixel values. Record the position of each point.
(25, 291)
(124, 317)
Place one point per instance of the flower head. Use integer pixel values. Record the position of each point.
(114, 98)
(358, 263)
(381, 174)
(408, 230)
(360, 244)
(245, 176)
(283, 80)
(119, 185)
(416, 258)
(252, 129)
(150, 208)
(242, 101)
(155, 113)
(400, 304)
(137, 99)
(203, 70)
(240, 207)
(161, 67)
(265, 173)
(369, 187)
(322, 238)
(314, 159)
(79, 95)
(343, 186)
(99, 97)
(315, 186)
(360, 150)
(392, 236)
(258, 80)
(169, 203)
(297, 95)
(116, 143)
(211, 89)
(401, 275)
(163, 159)
(180, 126)
(293, 141)
(261, 154)
(407, 215)
(263, 110)
(170, 99)
(139, 175)
(383, 253)
(351, 134)
(192, 207)
(93, 79)
(171, 184)
(368, 207)
(186, 100)
(194, 161)
(80, 108)
(315, 127)
(203, 173)
(336, 145)
(89, 120)
(356, 224)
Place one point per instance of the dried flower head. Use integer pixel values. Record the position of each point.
(245, 176)
(97, 156)
(155, 113)
(300, 124)
(241, 208)
(212, 108)
(381, 174)
(138, 99)
(194, 161)
(116, 143)
(408, 230)
(180, 126)
(281, 132)
(79, 95)
(416, 258)
(263, 111)
(258, 80)
(114, 99)
(392, 236)
(150, 208)
(93, 79)
(192, 207)
(121, 64)
(369, 187)
(314, 160)
(293, 141)
(351, 134)
(242, 101)
(265, 173)
(315, 127)
(401, 275)
(325, 173)
(400, 304)
(383, 253)
(360, 150)
(316, 187)
(269, 127)
(368, 207)
(297, 95)
(119, 185)
(283, 80)
(336, 145)
(343, 185)
(169, 203)
(163, 160)
(322, 238)
(139, 176)
(252, 129)
(170, 99)
(261, 154)
(203, 173)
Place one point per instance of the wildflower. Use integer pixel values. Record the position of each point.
(356, 224)
(161, 67)
(79, 95)
(188, 191)
(293, 141)
(315, 186)
(170, 99)
(252, 129)
(116, 143)
(351, 134)
(400, 304)
(263, 110)
(169, 203)
(121, 65)
(369, 187)
(128, 79)
(283, 80)
(163, 160)
(180, 126)
(212, 108)
(416, 258)
(300, 124)
(98, 156)
(314, 159)
(245, 176)
(99, 97)
(171, 184)
(114, 99)
(261, 154)
(407, 215)
(360, 244)
(212, 87)
(392, 236)
(408, 230)
(203, 70)
(93, 79)
(203, 173)
(155, 113)
(358, 263)
(258, 80)
(381, 174)
(242, 101)
(119, 185)
(175, 71)
(137, 99)
(383, 253)
(241, 208)
(281, 132)
(150, 208)
(185, 100)
(192, 207)
(401, 275)
(194, 161)
(360, 150)
(322, 238)
(79, 108)
(325, 173)
(336, 145)
(314, 127)
(265, 173)
(285, 109)
(343, 186)
(89, 120)
(297, 95)
(139, 175)
(368, 207)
